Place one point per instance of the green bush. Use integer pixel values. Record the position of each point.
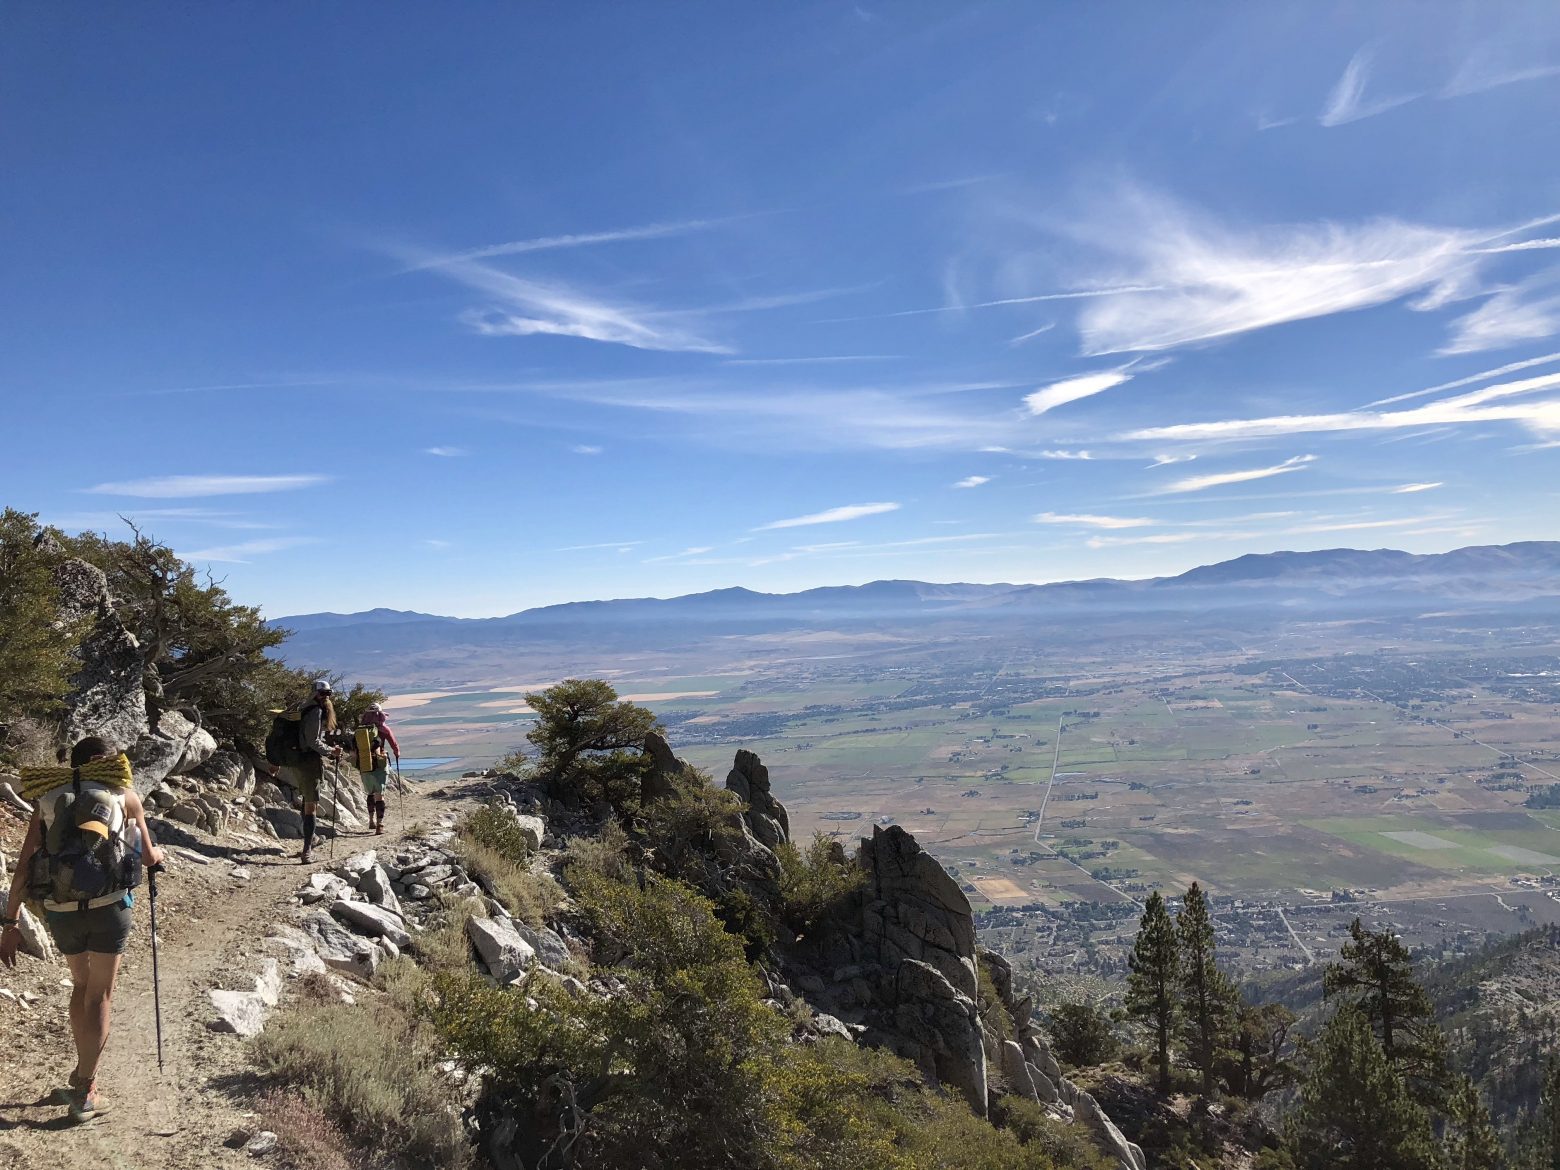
(814, 881)
(497, 829)
(1061, 1143)
(604, 855)
(1082, 1035)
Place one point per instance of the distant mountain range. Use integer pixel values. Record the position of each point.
(1523, 577)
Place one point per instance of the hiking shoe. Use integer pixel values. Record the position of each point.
(66, 1094)
(87, 1103)
(306, 858)
(380, 831)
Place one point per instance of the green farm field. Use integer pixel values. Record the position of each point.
(1248, 782)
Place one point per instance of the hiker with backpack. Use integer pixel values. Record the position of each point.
(374, 742)
(83, 855)
(316, 721)
(297, 746)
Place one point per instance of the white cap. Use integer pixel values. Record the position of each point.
(321, 684)
(376, 709)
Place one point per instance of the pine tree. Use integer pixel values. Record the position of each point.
(1355, 1112)
(35, 647)
(1208, 998)
(1151, 985)
(1377, 975)
(1472, 1143)
(1259, 1063)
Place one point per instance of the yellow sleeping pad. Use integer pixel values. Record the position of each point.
(367, 743)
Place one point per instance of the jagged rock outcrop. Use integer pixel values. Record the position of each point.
(943, 1024)
(664, 768)
(899, 960)
(914, 910)
(766, 817)
(107, 696)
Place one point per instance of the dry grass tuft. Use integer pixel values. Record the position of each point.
(371, 1070)
(305, 1138)
(528, 896)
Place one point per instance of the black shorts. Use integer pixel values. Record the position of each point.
(103, 931)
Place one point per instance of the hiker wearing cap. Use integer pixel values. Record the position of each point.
(374, 742)
(82, 856)
(317, 720)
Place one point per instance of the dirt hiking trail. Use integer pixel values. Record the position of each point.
(211, 922)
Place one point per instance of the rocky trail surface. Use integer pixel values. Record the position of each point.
(218, 904)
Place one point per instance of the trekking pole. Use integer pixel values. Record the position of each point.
(151, 885)
(335, 811)
(400, 786)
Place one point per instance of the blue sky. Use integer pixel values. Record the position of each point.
(467, 308)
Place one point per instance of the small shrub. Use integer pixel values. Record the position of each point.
(528, 896)
(495, 828)
(813, 882)
(305, 1138)
(316, 987)
(1082, 1035)
(994, 1015)
(1062, 1144)
(370, 1071)
(603, 856)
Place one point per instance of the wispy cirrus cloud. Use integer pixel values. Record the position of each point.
(649, 231)
(240, 554)
(1508, 317)
(1457, 384)
(1200, 483)
(698, 551)
(1218, 530)
(1491, 404)
(529, 307)
(1072, 389)
(1082, 294)
(809, 361)
(1062, 453)
(1168, 460)
(1085, 520)
(586, 449)
(1411, 488)
(196, 517)
(619, 545)
(446, 452)
(523, 307)
(1201, 279)
(1348, 101)
(972, 481)
(1496, 63)
(809, 415)
(184, 487)
(830, 516)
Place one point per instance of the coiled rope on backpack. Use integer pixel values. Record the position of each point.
(111, 773)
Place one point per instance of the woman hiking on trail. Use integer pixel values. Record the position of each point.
(82, 855)
(317, 722)
(375, 742)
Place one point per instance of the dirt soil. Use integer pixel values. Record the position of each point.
(210, 931)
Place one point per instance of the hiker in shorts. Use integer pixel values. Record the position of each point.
(317, 721)
(374, 750)
(89, 812)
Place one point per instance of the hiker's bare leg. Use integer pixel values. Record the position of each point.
(91, 997)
